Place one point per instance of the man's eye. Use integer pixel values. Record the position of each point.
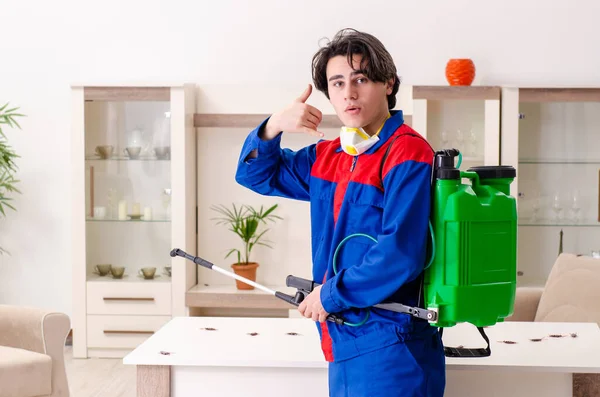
(362, 80)
(337, 84)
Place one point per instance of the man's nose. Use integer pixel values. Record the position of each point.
(350, 92)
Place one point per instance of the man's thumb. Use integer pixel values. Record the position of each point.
(302, 98)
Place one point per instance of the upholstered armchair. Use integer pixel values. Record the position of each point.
(32, 343)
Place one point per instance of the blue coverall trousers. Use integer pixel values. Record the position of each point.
(412, 367)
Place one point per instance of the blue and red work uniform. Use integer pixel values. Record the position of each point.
(391, 354)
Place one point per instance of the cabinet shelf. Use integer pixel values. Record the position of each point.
(204, 120)
(559, 94)
(559, 161)
(559, 224)
(127, 221)
(471, 159)
(527, 283)
(92, 158)
(439, 93)
(127, 278)
(228, 296)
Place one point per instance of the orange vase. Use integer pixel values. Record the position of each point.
(460, 71)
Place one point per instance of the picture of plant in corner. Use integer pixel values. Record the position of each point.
(245, 221)
(8, 167)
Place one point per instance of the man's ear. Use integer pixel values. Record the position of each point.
(389, 87)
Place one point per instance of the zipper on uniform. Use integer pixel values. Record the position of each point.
(353, 163)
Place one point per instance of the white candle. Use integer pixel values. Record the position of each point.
(136, 209)
(147, 213)
(122, 210)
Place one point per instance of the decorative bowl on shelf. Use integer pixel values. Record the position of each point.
(118, 272)
(148, 273)
(102, 270)
(133, 152)
(135, 217)
(163, 152)
(104, 151)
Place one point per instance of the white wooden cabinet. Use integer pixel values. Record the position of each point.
(464, 118)
(552, 137)
(108, 297)
(133, 154)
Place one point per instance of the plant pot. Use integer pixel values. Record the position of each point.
(460, 71)
(248, 271)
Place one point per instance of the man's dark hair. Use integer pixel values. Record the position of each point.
(376, 60)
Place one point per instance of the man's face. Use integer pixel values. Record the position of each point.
(357, 100)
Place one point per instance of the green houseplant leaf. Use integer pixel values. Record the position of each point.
(8, 166)
(245, 222)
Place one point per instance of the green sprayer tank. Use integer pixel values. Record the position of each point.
(473, 274)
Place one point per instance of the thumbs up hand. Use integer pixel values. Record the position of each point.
(297, 117)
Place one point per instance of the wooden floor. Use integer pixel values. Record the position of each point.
(99, 377)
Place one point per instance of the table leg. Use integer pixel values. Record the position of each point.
(153, 381)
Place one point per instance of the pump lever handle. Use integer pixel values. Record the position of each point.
(292, 300)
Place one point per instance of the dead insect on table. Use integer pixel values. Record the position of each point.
(508, 342)
(536, 339)
(556, 336)
(574, 335)
(165, 353)
(253, 333)
(292, 333)
(208, 329)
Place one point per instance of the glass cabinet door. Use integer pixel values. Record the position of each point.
(553, 140)
(128, 190)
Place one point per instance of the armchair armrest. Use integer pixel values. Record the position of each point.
(527, 300)
(39, 331)
(21, 327)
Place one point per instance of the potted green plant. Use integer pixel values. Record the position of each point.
(245, 222)
(8, 167)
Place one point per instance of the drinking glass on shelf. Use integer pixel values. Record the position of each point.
(460, 140)
(473, 140)
(535, 208)
(557, 207)
(112, 202)
(166, 202)
(575, 206)
(445, 140)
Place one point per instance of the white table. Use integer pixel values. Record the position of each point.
(230, 362)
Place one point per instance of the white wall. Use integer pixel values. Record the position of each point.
(46, 46)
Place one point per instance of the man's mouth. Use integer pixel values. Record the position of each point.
(353, 110)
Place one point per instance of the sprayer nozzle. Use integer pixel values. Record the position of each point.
(175, 252)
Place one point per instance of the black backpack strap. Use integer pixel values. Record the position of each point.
(421, 297)
(387, 152)
(385, 155)
(467, 352)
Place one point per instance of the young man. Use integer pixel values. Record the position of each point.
(373, 184)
